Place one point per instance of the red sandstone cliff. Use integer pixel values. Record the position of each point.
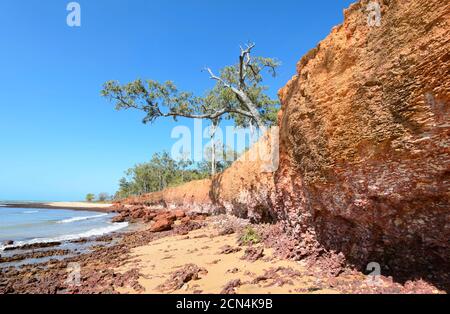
(242, 190)
(364, 156)
(365, 138)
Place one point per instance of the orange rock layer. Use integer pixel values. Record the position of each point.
(365, 138)
(243, 190)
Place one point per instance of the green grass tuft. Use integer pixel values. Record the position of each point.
(250, 236)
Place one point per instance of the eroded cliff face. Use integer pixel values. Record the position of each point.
(365, 139)
(243, 190)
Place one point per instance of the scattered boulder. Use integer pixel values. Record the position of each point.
(279, 277)
(230, 287)
(233, 271)
(182, 276)
(165, 216)
(179, 213)
(185, 228)
(162, 224)
(130, 279)
(199, 217)
(227, 249)
(118, 218)
(185, 219)
(149, 216)
(253, 254)
(171, 216)
(138, 214)
(226, 231)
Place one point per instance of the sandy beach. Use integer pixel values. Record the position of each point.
(221, 265)
(196, 255)
(78, 205)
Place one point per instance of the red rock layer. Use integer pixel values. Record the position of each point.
(365, 138)
(243, 190)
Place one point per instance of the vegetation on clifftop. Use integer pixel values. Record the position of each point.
(162, 172)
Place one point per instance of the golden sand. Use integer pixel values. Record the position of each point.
(78, 205)
(159, 259)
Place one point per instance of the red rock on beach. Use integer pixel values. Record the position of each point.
(179, 213)
(118, 218)
(162, 224)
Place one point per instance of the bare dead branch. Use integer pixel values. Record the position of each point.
(217, 78)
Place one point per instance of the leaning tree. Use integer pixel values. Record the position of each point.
(238, 95)
(241, 86)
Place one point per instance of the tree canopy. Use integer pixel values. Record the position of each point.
(90, 197)
(162, 172)
(238, 94)
(102, 197)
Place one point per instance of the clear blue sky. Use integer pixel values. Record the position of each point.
(60, 140)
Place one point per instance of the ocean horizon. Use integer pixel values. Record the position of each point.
(27, 201)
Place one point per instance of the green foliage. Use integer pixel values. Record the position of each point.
(249, 79)
(90, 197)
(162, 172)
(103, 197)
(154, 98)
(224, 159)
(249, 236)
(159, 173)
(223, 101)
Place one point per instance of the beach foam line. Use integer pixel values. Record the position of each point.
(31, 212)
(68, 237)
(73, 219)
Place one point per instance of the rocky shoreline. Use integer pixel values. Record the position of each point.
(97, 276)
(73, 206)
(110, 267)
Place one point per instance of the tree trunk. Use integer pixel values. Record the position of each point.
(213, 160)
(252, 133)
(213, 147)
(242, 96)
(270, 155)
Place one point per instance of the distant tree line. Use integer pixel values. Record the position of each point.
(162, 172)
(101, 197)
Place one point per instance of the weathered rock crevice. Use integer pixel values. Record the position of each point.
(365, 139)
